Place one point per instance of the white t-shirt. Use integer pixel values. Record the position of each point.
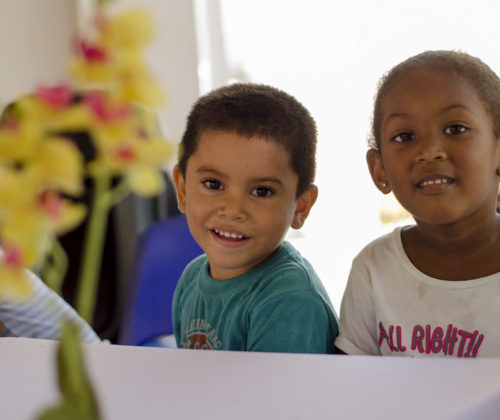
(391, 308)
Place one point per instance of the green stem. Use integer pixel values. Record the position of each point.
(55, 266)
(93, 248)
(120, 192)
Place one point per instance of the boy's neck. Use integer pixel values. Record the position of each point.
(452, 252)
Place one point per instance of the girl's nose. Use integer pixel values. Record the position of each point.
(431, 150)
(430, 156)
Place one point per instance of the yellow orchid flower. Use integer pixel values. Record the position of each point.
(25, 233)
(93, 72)
(142, 89)
(62, 214)
(59, 165)
(14, 282)
(17, 191)
(145, 180)
(19, 140)
(130, 29)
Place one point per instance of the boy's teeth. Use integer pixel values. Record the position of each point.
(228, 235)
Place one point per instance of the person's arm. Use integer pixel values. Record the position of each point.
(41, 314)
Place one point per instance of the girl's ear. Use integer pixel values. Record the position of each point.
(498, 157)
(303, 206)
(180, 188)
(377, 171)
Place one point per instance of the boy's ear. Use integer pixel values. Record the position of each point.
(303, 206)
(498, 157)
(180, 188)
(377, 171)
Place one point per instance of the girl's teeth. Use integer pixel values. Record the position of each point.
(435, 181)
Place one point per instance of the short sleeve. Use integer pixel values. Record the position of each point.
(358, 329)
(294, 322)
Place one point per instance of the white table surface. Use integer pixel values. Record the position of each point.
(140, 383)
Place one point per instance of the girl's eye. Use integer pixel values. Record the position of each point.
(212, 184)
(455, 129)
(403, 137)
(262, 192)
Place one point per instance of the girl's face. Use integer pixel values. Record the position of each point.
(438, 152)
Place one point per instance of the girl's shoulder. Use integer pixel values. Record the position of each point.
(387, 244)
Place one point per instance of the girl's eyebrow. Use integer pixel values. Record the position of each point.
(442, 111)
(396, 115)
(453, 106)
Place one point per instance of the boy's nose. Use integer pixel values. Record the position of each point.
(231, 208)
(430, 150)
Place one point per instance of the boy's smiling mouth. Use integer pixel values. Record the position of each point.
(229, 235)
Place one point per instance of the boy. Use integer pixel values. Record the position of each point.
(244, 176)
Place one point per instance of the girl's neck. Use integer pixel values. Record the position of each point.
(452, 252)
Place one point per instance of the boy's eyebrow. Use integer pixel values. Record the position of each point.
(264, 179)
(208, 169)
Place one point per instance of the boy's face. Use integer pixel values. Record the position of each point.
(239, 196)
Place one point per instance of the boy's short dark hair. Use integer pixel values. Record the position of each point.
(254, 109)
(472, 69)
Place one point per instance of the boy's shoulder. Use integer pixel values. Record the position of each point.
(287, 270)
(195, 266)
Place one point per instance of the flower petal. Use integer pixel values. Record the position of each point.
(145, 180)
(14, 283)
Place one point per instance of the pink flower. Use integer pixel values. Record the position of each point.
(92, 52)
(125, 154)
(57, 96)
(13, 256)
(52, 203)
(105, 111)
(10, 123)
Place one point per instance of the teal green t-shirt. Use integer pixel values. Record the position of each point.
(279, 306)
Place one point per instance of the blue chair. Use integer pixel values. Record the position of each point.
(163, 252)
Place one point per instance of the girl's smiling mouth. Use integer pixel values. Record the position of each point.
(434, 182)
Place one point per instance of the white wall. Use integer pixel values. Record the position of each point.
(35, 44)
(36, 39)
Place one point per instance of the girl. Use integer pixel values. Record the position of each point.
(432, 288)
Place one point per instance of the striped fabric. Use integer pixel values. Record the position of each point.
(41, 315)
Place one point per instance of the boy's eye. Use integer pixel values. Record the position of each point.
(212, 184)
(455, 129)
(262, 192)
(403, 137)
